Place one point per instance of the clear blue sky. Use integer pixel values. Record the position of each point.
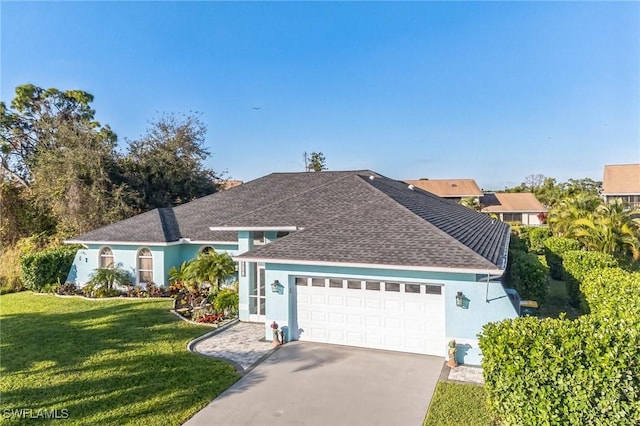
(493, 91)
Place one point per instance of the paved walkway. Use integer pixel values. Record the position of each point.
(242, 343)
(464, 373)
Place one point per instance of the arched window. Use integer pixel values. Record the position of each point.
(106, 258)
(206, 250)
(145, 266)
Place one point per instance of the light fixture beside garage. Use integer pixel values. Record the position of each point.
(275, 286)
(459, 299)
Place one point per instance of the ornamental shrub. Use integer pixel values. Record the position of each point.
(537, 236)
(577, 264)
(554, 247)
(527, 275)
(561, 372)
(611, 293)
(47, 267)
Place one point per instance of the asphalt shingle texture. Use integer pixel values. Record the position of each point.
(345, 217)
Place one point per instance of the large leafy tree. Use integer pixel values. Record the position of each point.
(59, 162)
(166, 165)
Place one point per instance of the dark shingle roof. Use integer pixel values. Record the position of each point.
(344, 217)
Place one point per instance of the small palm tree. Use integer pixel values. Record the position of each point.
(103, 280)
(212, 268)
(563, 215)
(610, 229)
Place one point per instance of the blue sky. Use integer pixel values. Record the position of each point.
(493, 91)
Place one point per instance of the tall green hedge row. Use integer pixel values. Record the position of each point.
(46, 267)
(612, 293)
(576, 264)
(554, 248)
(527, 275)
(561, 372)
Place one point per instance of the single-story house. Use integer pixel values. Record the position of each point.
(522, 207)
(622, 181)
(451, 189)
(350, 258)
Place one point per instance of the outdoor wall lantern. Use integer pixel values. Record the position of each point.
(459, 299)
(275, 286)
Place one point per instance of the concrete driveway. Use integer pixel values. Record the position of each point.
(306, 383)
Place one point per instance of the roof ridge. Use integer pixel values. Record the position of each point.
(298, 194)
(431, 225)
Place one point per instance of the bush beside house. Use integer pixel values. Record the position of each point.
(557, 371)
(47, 267)
(554, 247)
(576, 264)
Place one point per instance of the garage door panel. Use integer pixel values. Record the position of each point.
(411, 322)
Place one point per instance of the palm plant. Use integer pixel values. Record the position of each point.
(212, 268)
(103, 280)
(563, 216)
(610, 229)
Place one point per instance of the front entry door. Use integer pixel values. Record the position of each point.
(257, 299)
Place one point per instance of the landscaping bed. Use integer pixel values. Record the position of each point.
(116, 362)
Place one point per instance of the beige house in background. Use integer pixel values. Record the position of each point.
(451, 189)
(622, 181)
(522, 207)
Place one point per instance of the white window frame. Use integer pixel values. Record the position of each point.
(139, 270)
(101, 256)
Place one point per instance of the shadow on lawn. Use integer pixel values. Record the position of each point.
(118, 363)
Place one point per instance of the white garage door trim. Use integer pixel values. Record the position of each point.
(398, 316)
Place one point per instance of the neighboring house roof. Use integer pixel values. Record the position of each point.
(357, 217)
(620, 179)
(511, 202)
(458, 188)
(228, 184)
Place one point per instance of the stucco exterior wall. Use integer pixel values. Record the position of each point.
(483, 302)
(126, 257)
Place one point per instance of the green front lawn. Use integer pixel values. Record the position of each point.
(104, 362)
(455, 403)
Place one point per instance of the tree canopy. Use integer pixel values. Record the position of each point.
(61, 172)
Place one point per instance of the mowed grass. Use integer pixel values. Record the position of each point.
(455, 403)
(105, 362)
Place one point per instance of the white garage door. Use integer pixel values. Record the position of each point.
(407, 317)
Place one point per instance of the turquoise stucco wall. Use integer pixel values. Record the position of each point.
(462, 324)
(164, 258)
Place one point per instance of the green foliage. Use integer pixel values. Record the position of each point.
(611, 293)
(561, 372)
(527, 275)
(210, 267)
(111, 362)
(554, 247)
(455, 403)
(517, 243)
(537, 235)
(577, 264)
(104, 280)
(316, 162)
(227, 300)
(47, 267)
(166, 166)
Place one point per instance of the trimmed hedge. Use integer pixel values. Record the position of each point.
(576, 264)
(554, 248)
(527, 275)
(537, 236)
(612, 293)
(47, 267)
(561, 372)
